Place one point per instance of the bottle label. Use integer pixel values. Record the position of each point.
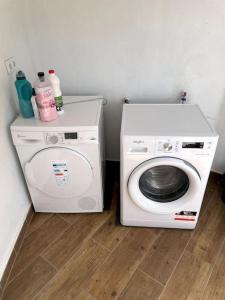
(45, 97)
(59, 103)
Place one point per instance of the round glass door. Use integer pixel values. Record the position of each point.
(164, 183)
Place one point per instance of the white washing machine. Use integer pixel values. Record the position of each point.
(62, 160)
(166, 157)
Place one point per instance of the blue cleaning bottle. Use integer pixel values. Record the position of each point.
(24, 91)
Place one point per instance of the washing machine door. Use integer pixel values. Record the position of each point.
(59, 172)
(163, 185)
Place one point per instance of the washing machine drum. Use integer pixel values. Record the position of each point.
(59, 172)
(164, 184)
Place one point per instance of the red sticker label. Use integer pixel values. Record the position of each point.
(185, 215)
(184, 219)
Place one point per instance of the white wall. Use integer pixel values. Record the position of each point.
(143, 49)
(14, 203)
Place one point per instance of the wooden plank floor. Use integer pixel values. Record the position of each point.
(93, 257)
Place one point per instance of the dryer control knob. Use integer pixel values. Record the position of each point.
(167, 146)
(53, 139)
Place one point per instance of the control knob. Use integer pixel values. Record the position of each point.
(167, 146)
(53, 139)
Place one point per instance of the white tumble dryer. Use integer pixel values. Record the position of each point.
(166, 157)
(62, 160)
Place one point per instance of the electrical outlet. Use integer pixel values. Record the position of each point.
(10, 65)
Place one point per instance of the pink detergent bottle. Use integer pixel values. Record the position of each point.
(45, 99)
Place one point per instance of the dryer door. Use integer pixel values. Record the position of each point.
(59, 172)
(163, 185)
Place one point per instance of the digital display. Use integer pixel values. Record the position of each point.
(193, 145)
(70, 135)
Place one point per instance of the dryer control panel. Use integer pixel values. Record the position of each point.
(70, 138)
(54, 138)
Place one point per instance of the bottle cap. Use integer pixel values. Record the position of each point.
(41, 74)
(20, 75)
(51, 71)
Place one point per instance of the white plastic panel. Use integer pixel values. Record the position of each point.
(138, 150)
(59, 172)
(27, 138)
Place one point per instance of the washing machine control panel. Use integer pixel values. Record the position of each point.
(70, 138)
(184, 146)
(158, 146)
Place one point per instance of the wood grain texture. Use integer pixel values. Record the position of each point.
(37, 241)
(83, 295)
(141, 287)
(215, 289)
(163, 256)
(111, 278)
(70, 218)
(98, 259)
(110, 233)
(75, 274)
(29, 282)
(210, 232)
(67, 244)
(189, 279)
(37, 220)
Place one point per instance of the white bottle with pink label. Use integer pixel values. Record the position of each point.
(45, 99)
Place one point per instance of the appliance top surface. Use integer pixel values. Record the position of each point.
(165, 120)
(83, 114)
